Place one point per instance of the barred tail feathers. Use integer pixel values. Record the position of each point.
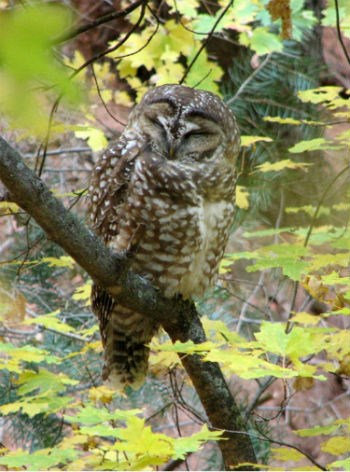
(125, 348)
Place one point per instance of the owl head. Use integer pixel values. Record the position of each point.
(184, 124)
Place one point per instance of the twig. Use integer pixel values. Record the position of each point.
(339, 31)
(101, 98)
(99, 21)
(118, 45)
(211, 32)
(257, 396)
(249, 79)
(57, 152)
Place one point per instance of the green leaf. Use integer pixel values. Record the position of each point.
(193, 443)
(30, 62)
(305, 318)
(32, 406)
(204, 73)
(204, 23)
(317, 144)
(262, 41)
(317, 430)
(91, 415)
(44, 381)
(248, 365)
(15, 356)
(187, 8)
(286, 256)
(50, 321)
(140, 439)
(342, 464)
(38, 460)
(297, 343)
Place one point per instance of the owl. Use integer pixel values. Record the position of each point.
(165, 190)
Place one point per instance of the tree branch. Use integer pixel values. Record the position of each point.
(178, 317)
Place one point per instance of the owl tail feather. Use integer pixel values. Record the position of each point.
(126, 362)
(126, 358)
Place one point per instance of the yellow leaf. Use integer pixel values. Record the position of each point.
(101, 394)
(188, 347)
(123, 98)
(284, 121)
(305, 318)
(281, 165)
(324, 260)
(180, 39)
(76, 61)
(8, 207)
(336, 445)
(242, 197)
(168, 73)
(63, 261)
(247, 141)
(83, 292)
(95, 138)
(320, 94)
(285, 454)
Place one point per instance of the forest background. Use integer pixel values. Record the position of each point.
(277, 322)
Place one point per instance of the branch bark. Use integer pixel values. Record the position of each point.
(178, 317)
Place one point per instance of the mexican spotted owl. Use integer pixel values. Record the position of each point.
(166, 190)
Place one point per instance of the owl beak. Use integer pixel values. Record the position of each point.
(171, 148)
(171, 152)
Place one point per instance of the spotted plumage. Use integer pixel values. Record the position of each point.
(164, 190)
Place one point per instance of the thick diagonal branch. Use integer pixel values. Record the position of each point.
(178, 317)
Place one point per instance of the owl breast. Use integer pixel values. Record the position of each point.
(180, 234)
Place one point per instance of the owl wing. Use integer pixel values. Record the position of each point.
(108, 196)
(109, 186)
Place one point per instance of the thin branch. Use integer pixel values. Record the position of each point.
(116, 46)
(212, 31)
(340, 37)
(249, 79)
(57, 152)
(296, 448)
(101, 98)
(98, 22)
